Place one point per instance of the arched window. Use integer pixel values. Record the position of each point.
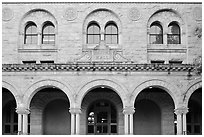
(156, 33)
(48, 33)
(30, 33)
(173, 36)
(93, 33)
(111, 33)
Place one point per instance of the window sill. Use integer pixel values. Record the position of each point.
(37, 50)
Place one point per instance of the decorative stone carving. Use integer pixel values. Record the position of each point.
(70, 14)
(134, 14)
(7, 14)
(197, 13)
(198, 31)
(198, 65)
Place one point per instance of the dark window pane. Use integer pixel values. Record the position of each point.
(99, 129)
(156, 29)
(15, 129)
(105, 129)
(113, 129)
(189, 129)
(90, 128)
(173, 39)
(174, 29)
(102, 117)
(156, 39)
(197, 128)
(7, 129)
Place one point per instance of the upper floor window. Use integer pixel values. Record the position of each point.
(48, 33)
(156, 33)
(30, 33)
(111, 33)
(173, 36)
(93, 33)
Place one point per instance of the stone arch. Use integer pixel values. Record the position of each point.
(166, 16)
(118, 88)
(169, 88)
(34, 88)
(33, 14)
(102, 16)
(108, 15)
(190, 90)
(13, 91)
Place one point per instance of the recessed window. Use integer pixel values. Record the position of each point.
(29, 62)
(173, 36)
(48, 33)
(175, 62)
(157, 61)
(111, 33)
(30, 33)
(156, 33)
(93, 33)
(47, 62)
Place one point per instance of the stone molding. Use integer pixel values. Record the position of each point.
(22, 110)
(181, 110)
(129, 110)
(75, 110)
(98, 66)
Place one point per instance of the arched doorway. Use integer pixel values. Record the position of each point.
(147, 117)
(102, 112)
(56, 118)
(194, 116)
(154, 112)
(50, 112)
(9, 115)
(102, 118)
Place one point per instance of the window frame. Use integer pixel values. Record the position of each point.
(160, 35)
(30, 35)
(88, 35)
(111, 34)
(49, 41)
(174, 34)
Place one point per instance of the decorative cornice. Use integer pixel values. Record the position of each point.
(101, 2)
(98, 66)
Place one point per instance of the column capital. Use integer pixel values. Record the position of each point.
(22, 110)
(129, 110)
(75, 110)
(181, 110)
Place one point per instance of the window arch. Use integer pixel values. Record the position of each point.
(174, 34)
(48, 33)
(156, 33)
(111, 33)
(93, 33)
(30, 33)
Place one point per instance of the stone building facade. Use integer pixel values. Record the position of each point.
(101, 68)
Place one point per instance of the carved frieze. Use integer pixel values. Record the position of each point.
(197, 13)
(70, 14)
(7, 14)
(134, 14)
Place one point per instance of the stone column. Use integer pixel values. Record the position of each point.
(22, 120)
(181, 120)
(75, 120)
(185, 111)
(39, 38)
(128, 118)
